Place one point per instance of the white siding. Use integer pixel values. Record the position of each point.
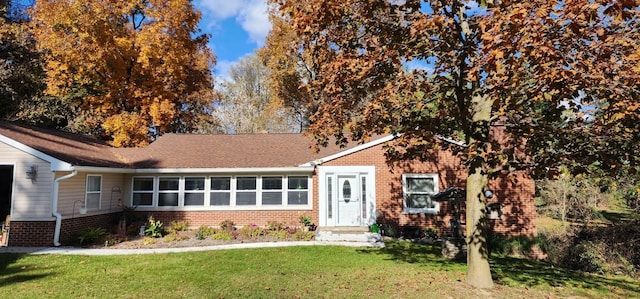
(31, 198)
(73, 191)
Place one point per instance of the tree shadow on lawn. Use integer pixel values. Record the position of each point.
(413, 253)
(509, 270)
(14, 274)
(505, 270)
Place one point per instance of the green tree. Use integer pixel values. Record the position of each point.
(128, 67)
(523, 84)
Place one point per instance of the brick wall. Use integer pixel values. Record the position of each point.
(514, 191)
(240, 218)
(71, 227)
(31, 233)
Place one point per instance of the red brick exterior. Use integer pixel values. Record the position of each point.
(31, 233)
(71, 227)
(239, 218)
(515, 192)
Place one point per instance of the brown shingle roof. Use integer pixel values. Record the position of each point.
(76, 149)
(174, 150)
(226, 151)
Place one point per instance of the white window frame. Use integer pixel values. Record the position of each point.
(255, 191)
(308, 190)
(87, 192)
(406, 193)
(177, 192)
(152, 191)
(233, 192)
(283, 197)
(228, 191)
(184, 191)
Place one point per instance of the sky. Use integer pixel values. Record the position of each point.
(237, 29)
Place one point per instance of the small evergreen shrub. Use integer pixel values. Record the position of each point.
(91, 235)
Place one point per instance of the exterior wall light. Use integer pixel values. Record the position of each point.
(32, 172)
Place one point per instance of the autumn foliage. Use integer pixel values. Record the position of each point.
(130, 66)
(557, 79)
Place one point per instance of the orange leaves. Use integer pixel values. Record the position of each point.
(121, 63)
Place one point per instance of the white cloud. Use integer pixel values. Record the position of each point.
(222, 70)
(251, 15)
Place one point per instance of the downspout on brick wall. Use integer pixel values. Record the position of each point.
(54, 206)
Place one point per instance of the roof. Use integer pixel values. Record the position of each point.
(174, 151)
(75, 149)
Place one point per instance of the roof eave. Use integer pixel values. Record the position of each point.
(247, 170)
(55, 163)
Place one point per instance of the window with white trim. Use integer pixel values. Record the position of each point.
(220, 194)
(93, 192)
(246, 191)
(194, 191)
(168, 191)
(418, 189)
(272, 190)
(142, 191)
(298, 190)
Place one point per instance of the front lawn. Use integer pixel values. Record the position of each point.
(402, 270)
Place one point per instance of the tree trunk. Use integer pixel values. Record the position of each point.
(478, 270)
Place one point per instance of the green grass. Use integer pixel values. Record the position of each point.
(402, 270)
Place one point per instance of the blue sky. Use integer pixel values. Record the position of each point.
(237, 29)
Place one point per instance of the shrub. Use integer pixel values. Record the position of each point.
(227, 225)
(515, 246)
(179, 226)
(251, 231)
(154, 228)
(279, 234)
(302, 235)
(607, 249)
(204, 231)
(276, 226)
(91, 235)
(148, 241)
(305, 220)
(223, 235)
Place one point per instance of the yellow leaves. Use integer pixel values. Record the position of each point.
(127, 129)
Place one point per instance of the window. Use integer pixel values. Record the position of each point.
(220, 191)
(246, 191)
(418, 189)
(94, 188)
(142, 192)
(329, 197)
(194, 191)
(298, 190)
(272, 190)
(168, 190)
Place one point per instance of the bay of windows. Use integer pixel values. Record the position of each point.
(221, 191)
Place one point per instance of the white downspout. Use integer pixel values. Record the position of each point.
(54, 206)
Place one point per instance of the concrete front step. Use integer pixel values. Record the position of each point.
(349, 234)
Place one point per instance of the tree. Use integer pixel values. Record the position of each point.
(21, 72)
(132, 68)
(523, 84)
(246, 104)
(288, 70)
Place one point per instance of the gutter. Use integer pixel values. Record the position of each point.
(54, 206)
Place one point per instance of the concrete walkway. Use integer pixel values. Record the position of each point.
(109, 251)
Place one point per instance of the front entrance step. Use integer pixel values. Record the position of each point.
(349, 234)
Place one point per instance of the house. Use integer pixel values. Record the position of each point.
(53, 184)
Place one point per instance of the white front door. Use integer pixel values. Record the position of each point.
(349, 204)
(347, 195)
